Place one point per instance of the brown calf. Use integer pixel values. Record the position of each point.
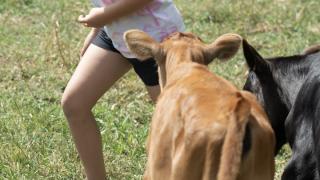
(202, 127)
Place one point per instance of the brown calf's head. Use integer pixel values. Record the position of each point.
(179, 48)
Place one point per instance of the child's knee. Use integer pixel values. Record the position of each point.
(72, 106)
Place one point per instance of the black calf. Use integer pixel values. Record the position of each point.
(289, 90)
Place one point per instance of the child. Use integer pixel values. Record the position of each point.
(105, 59)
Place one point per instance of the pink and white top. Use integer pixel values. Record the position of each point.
(159, 19)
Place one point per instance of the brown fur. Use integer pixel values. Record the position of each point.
(199, 122)
(232, 147)
(311, 49)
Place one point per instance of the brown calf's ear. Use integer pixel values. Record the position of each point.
(224, 47)
(311, 49)
(141, 44)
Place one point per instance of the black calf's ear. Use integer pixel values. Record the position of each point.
(251, 55)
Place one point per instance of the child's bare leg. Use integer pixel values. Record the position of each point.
(98, 70)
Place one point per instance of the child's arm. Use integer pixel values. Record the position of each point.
(99, 17)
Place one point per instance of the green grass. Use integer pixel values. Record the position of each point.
(40, 42)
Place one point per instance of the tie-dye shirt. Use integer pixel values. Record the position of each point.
(159, 19)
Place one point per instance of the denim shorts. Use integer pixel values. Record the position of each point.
(147, 70)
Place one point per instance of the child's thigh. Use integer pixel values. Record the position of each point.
(96, 72)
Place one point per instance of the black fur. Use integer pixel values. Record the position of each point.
(247, 141)
(289, 90)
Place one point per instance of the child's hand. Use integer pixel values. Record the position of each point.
(101, 16)
(94, 19)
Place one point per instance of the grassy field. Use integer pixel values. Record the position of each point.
(40, 42)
